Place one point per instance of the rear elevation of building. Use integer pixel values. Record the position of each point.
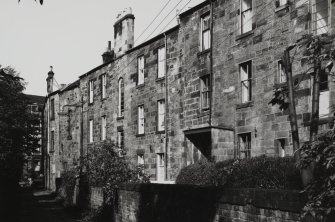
(199, 91)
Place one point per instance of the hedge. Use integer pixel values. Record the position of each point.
(258, 172)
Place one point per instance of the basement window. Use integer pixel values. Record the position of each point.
(244, 145)
(120, 139)
(246, 75)
(246, 16)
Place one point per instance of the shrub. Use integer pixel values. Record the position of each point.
(198, 174)
(266, 173)
(68, 185)
(107, 169)
(258, 172)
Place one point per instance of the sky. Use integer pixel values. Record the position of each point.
(71, 35)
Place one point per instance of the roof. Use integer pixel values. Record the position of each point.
(73, 85)
(35, 99)
(195, 8)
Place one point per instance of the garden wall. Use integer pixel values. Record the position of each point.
(96, 197)
(162, 202)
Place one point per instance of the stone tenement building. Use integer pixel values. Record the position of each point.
(197, 91)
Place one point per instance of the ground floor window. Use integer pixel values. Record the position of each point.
(160, 167)
(244, 145)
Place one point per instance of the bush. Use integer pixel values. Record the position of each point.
(68, 185)
(258, 172)
(107, 169)
(198, 174)
(266, 173)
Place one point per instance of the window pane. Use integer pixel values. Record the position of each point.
(206, 40)
(161, 62)
(205, 23)
(91, 131)
(320, 16)
(140, 120)
(246, 21)
(161, 115)
(121, 97)
(281, 72)
(324, 104)
(246, 4)
(140, 70)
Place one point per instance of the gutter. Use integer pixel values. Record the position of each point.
(166, 110)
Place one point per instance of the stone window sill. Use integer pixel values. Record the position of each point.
(282, 7)
(119, 117)
(160, 79)
(245, 105)
(203, 52)
(140, 86)
(160, 132)
(322, 121)
(140, 135)
(279, 85)
(244, 35)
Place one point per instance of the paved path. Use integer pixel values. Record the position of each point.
(43, 206)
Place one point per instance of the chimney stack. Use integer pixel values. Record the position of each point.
(109, 54)
(124, 32)
(50, 80)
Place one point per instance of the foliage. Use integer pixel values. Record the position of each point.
(280, 97)
(202, 173)
(321, 191)
(102, 214)
(68, 184)
(266, 173)
(258, 172)
(18, 131)
(107, 169)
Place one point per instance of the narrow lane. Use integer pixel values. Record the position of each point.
(44, 206)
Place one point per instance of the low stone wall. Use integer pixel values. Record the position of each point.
(158, 202)
(96, 197)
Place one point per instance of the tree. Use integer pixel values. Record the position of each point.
(18, 131)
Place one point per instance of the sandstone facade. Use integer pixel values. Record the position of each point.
(216, 98)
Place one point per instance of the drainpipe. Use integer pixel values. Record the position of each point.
(166, 110)
(211, 66)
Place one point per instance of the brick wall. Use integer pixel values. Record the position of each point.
(152, 202)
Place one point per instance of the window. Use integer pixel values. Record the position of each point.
(245, 73)
(52, 141)
(324, 95)
(90, 91)
(140, 159)
(91, 131)
(160, 167)
(120, 139)
(161, 115)
(121, 97)
(280, 3)
(140, 126)
(281, 72)
(69, 133)
(52, 109)
(281, 147)
(205, 91)
(103, 86)
(205, 33)
(246, 16)
(103, 127)
(140, 70)
(244, 145)
(161, 62)
(320, 16)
